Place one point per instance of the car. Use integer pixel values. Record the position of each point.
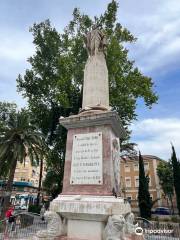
(162, 211)
(23, 207)
(17, 207)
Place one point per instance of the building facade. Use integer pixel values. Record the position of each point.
(25, 185)
(25, 172)
(130, 181)
(23, 193)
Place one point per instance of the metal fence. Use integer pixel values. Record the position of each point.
(24, 226)
(27, 224)
(155, 230)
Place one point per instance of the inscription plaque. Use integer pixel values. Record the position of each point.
(86, 165)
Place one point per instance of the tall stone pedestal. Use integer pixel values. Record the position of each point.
(90, 153)
(89, 179)
(95, 88)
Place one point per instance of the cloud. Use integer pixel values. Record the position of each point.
(158, 32)
(154, 136)
(15, 46)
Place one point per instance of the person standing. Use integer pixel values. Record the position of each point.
(42, 212)
(10, 218)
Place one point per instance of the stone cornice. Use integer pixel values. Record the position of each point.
(91, 118)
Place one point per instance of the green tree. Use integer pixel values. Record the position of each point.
(18, 139)
(53, 85)
(55, 163)
(145, 202)
(7, 111)
(176, 175)
(165, 174)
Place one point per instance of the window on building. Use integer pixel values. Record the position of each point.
(150, 183)
(136, 167)
(129, 198)
(146, 166)
(33, 173)
(151, 196)
(136, 181)
(26, 161)
(128, 181)
(127, 168)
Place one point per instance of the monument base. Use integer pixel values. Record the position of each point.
(87, 215)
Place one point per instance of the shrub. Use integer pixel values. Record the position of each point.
(165, 219)
(156, 218)
(34, 209)
(175, 219)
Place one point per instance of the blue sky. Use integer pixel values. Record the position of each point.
(156, 24)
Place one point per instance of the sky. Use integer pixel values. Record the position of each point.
(155, 23)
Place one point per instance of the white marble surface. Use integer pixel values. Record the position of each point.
(115, 228)
(86, 166)
(55, 228)
(96, 86)
(91, 230)
(89, 207)
(87, 215)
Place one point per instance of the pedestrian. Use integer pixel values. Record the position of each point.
(42, 212)
(18, 223)
(10, 218)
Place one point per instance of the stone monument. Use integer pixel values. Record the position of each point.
(95, 87)
(91, 185)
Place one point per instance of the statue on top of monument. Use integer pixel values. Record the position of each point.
(96, 85)
(95, 41)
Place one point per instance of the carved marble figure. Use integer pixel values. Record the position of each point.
(96, 41)
(130, 226)
(115, 228)
(55, 228)
(119, 226)
(116, 166)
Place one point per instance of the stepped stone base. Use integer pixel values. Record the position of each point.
(87, 215)
(130, 237)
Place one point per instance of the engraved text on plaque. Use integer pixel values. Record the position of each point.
(86, 166)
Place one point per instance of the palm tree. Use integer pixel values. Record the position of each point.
(18, 139)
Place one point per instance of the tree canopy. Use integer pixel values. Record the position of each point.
(165, 174)
(7, 111)
(18, 139)
(176, 176)
(145, 202)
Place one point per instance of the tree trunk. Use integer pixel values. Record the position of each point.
(172, 206)
(9, 186)
(40, 181)
(167, 199)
